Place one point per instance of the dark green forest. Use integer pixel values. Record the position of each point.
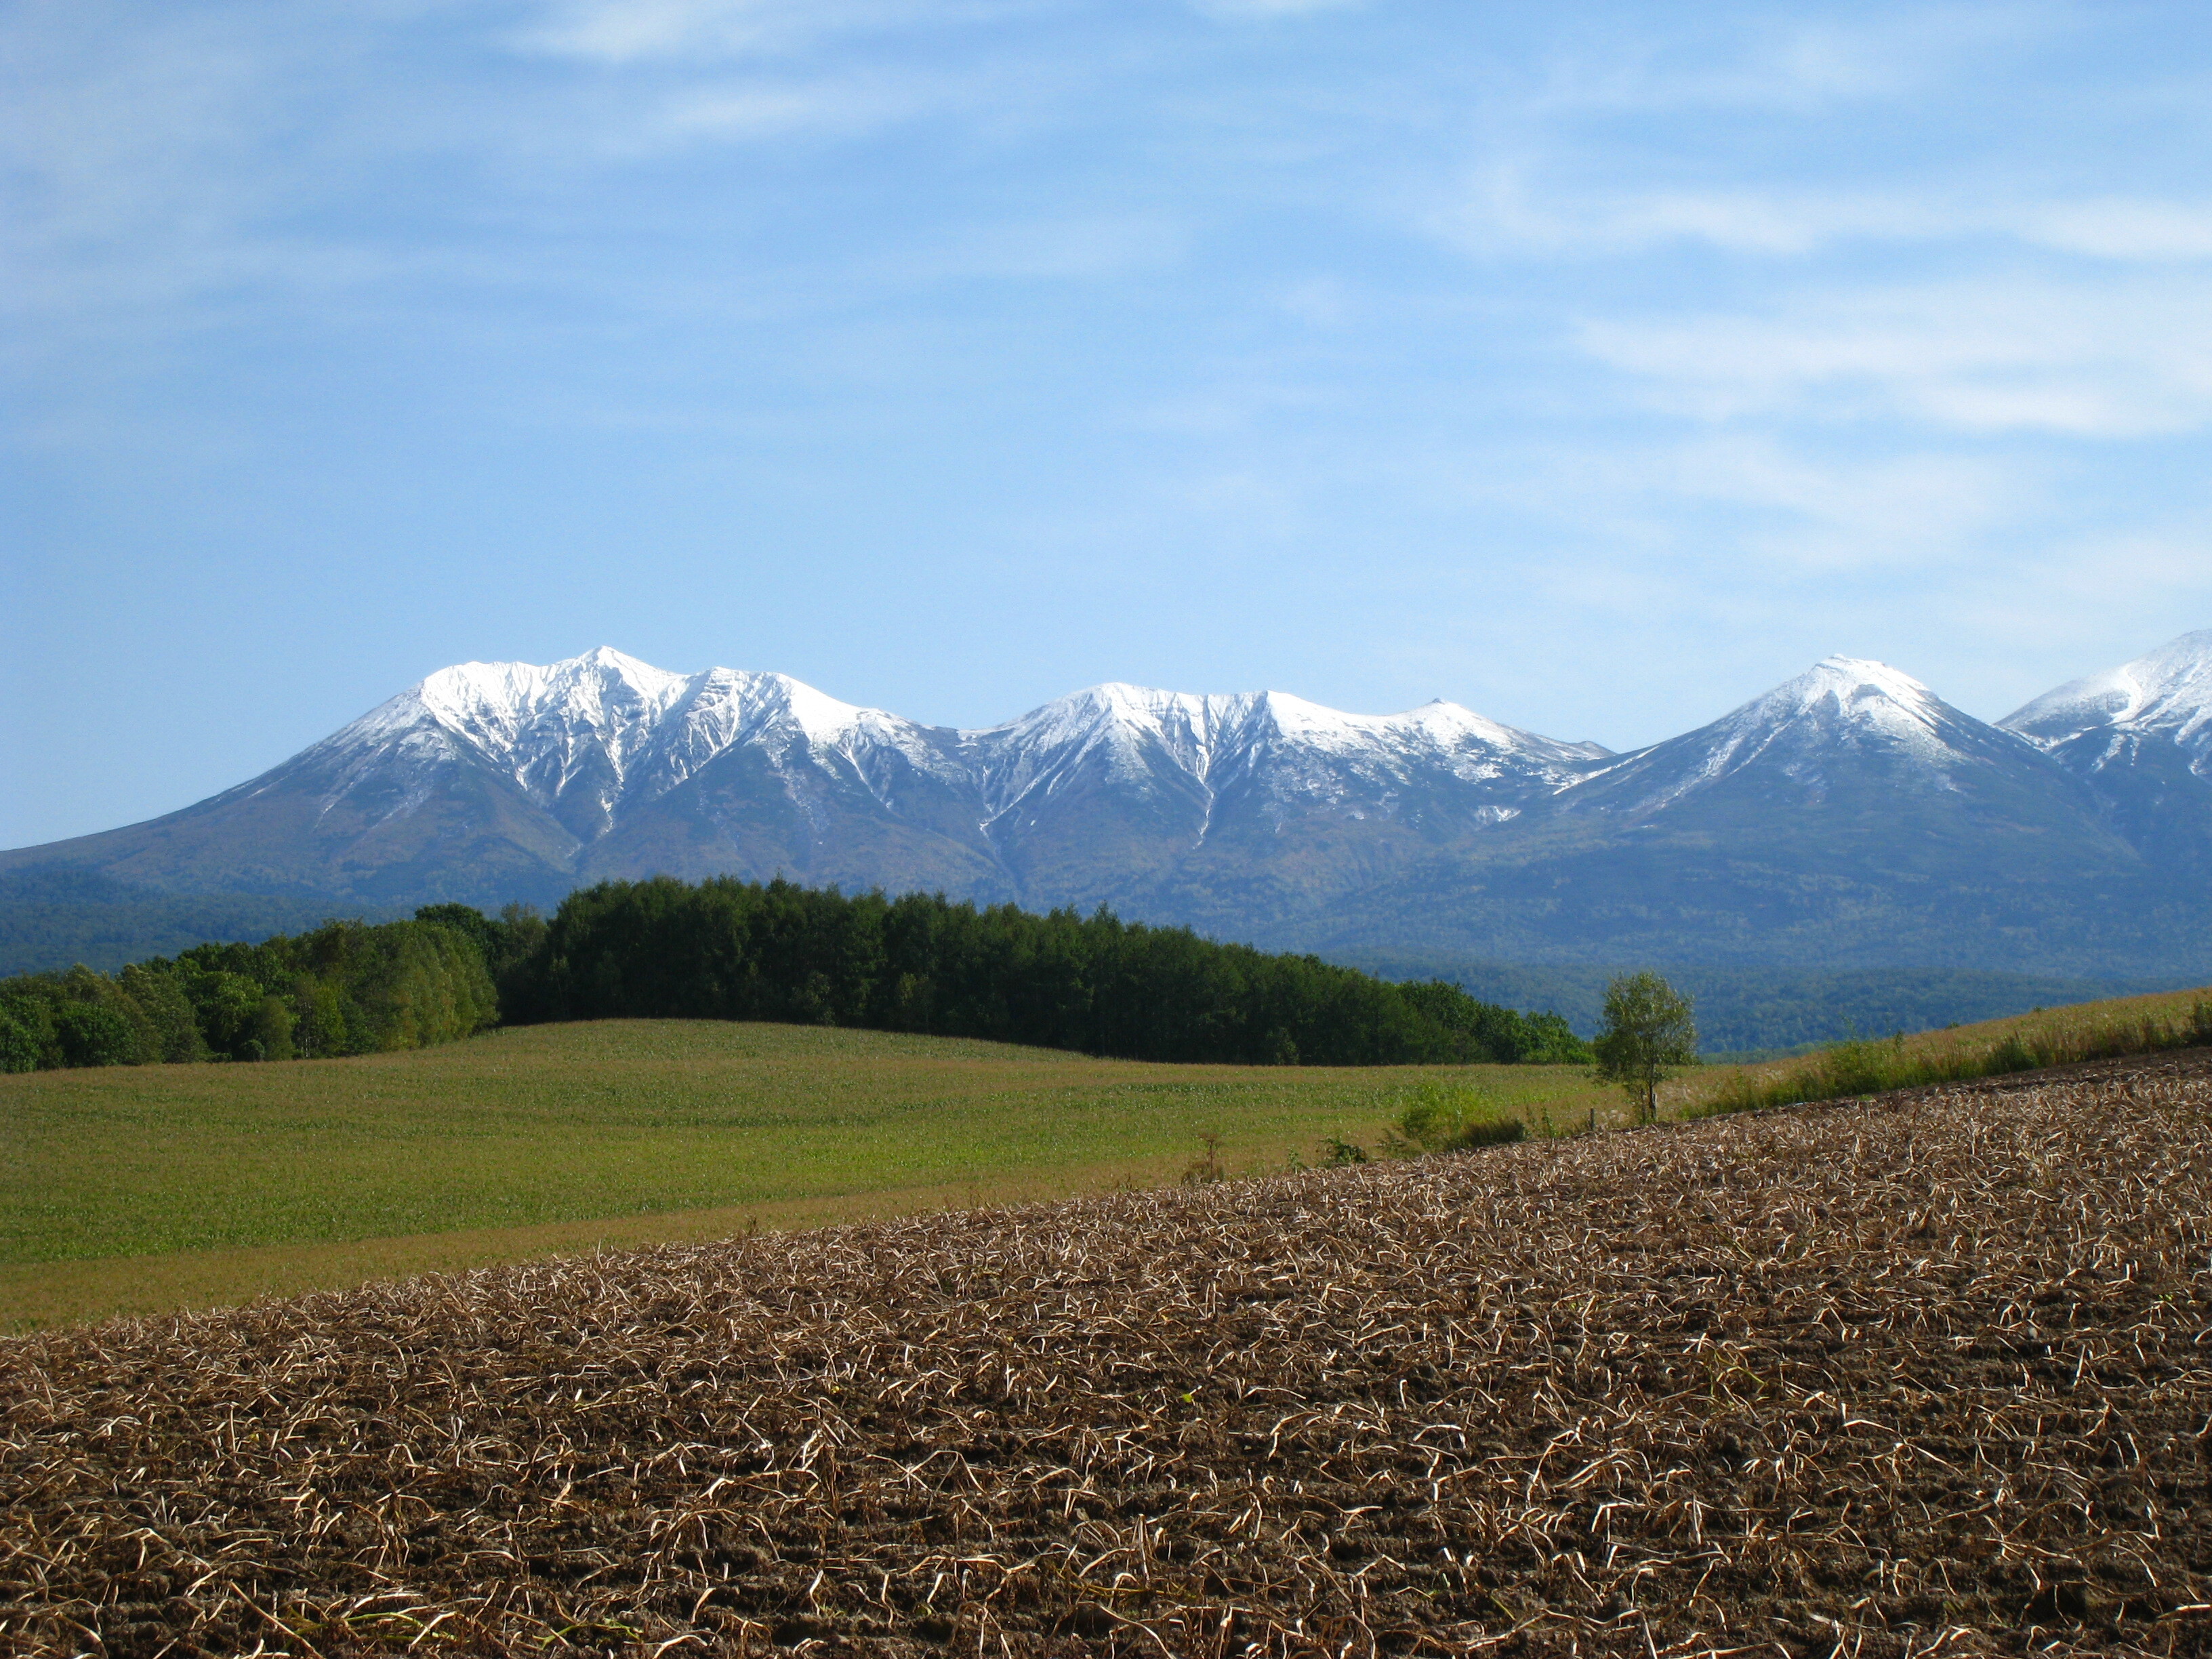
(735, 949)
(749, 951)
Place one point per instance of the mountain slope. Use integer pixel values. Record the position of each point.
(2140, 737)
(1848, 817)
(1216, 806)
(495, 781)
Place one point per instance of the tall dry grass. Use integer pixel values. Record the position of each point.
(1867, 1066)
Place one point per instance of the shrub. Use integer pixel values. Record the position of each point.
(1490, 1132)
(1441, 1118)
(19, 1040)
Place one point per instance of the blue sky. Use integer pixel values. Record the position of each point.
(1594, 366)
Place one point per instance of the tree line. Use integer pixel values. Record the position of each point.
(725, 949)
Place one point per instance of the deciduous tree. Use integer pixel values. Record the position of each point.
(1649, 1033)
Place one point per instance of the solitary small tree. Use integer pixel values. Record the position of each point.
(1649, 1033)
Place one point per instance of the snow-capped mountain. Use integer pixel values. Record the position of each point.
(491, 778)
(1121, 782)
(590, 739)
(2141, 737)
(1846, 732)
(1847, 817)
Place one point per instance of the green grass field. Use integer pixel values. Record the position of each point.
(146, 1189)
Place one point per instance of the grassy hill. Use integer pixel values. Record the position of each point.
(141, 1188)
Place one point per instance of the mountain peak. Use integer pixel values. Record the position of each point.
(2166, 690)
(1839, 717)
(1856, 683)
(1833, 812)
(1845, 699)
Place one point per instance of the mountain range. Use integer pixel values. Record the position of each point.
(1847, 818)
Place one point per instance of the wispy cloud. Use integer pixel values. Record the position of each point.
(1737, 57)
(1848, 513)
(2110, 359)
(1085, 248)
(1510, 212)
(626, 32)
(1250, 9)
(845, 106)
(2120, 228)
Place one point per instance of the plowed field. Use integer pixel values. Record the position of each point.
(1927, 1373)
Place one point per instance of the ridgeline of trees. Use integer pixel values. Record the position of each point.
(747, 950)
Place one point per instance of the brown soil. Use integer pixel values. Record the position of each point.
(1923, 1375)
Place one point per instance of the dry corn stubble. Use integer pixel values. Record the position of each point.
(1926, 1375)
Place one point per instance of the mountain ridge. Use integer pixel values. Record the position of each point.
(1849, 808)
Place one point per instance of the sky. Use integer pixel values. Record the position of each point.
(1594, 365)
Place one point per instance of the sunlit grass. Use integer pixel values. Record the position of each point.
(555, 1137)
(2024, 1042)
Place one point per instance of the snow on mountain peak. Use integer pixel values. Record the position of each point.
(1852, 696)
(1840, 704)
(1857, 686)
(593, 734)
(1193, 726)
(2168, 689)
(548, 722)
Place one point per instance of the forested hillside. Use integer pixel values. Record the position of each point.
(749, 951)
(735, 949)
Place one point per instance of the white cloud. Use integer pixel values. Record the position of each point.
(1766, 510)
(848, 108)
(1911, 512)
(1505, 211)
(1753, 59)
(2093, 359)
(626, 31)
(2121, 228)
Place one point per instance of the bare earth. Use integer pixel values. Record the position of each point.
(1926, 1374)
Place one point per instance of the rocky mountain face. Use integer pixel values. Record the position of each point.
(1849, 816)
